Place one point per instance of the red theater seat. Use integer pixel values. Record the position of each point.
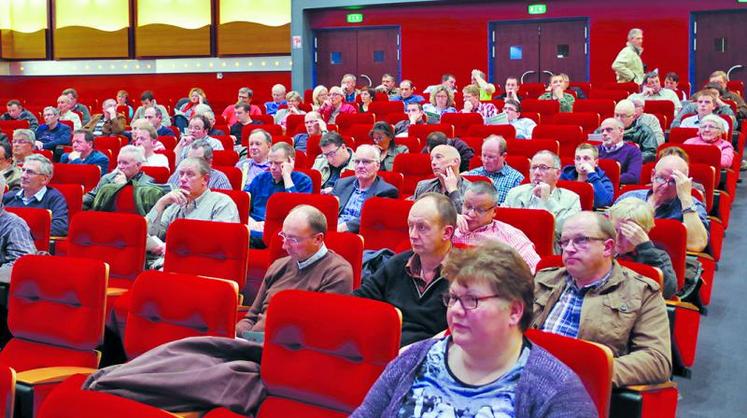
(414, 167)
(483, 131)
(588, 121)
(39, 222)
(568, 136)
(7, 391)
(233, 173)
(537, 224)
(462, 122)
(382, 109)
(160, 174)
(384, 223)
(546, 108)
(422, 131)
(345, 120)
(604, 107)
(585, 192)
(242, 201)
(86, 174)
(530, 147)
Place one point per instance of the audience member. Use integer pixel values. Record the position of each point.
(541, 191)
(388, 86)
(707, 101)
(586, 169)
(440, 102)
(295, 101)
(670, 195)
(721, 79)
(200, 149)
(647, 119)
(155, 117)
(24, 142)
(147, 100)
(436, 138)
(614, 148)
(255, 162)
(486, 90)
(472, 104)
(243, 116)
(347, 84)
(691, 107)
(445, 161)
(710, 132)
(485, 366)
(72, 94)
(621, 309)
(15, 240)
(187, 108)
(353, 191)
(651, 89)
(523, 126)
(636, 132)
(278, 99)
(314, 126)
(407, 93)
(129, 171)
(335, 159)
(145, 137)
(382, 136)
(309, 265)
(628, 65)
(577, 91)
(413, 280)
(671, 82)
(65, 106)
(198, 128)
(335, 105)
(123, 99)
(415, 116)
(633, 221)
(17, 112)
(495, 167)
(511, 90)
(318, 97)
(107, 123)
(84, 153)
(476, 226)
(9, 171)
(36, 173)
(367, 95)
(556, 91)
(52, 133)
(245, 96)
(448, 81)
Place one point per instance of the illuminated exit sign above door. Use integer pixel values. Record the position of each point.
(537, 9)
(355, 17)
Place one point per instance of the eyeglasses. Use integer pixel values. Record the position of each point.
(663, 180)
(468, 302)
(29, 172)
(704, 127)
(290, 239)
(332, 153)
(623, 115)
(478, 210)
(542, 167)
(581, 241)
(362, 161)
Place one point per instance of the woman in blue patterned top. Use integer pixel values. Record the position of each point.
(485, 368)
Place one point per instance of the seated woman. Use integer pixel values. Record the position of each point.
(123, 99)
(318, 97)
(295, 101)
(185, 108)
(485, 367)
(633, 221)
(382, 136)
(367, 96)
(710, 132)
(442, 101)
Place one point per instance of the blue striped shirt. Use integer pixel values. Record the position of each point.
(503, 180)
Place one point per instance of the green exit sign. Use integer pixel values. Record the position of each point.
(537, 9)
(355, 17)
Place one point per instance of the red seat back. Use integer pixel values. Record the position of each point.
(611, 94)
(604, 107)
(546, 108)
(73, 194)
(7, 391)
(568, 136)
(422, 131)
(316, 178)
(680, 135)
(665, 107)
(483, 131)
(462, 122)
(346, 120)
(589, 121)
(382, 109)
(228, 157)
(530, 147)
(280, 204)
(584, 190)
(414, 167)
(294, 124)
(233, 173)
(86, 174)
(537, 224)
(704, 154)
(242, 201)
(671, 236)
(40, 223)
(160, 174)
(384, 223)
(208, 248)
(613, 171)
(167, 307)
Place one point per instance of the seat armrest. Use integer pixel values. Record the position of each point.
(650, 388)
(50, 374)
(115, 291)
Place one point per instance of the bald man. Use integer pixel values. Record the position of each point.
(445, 161)
(636, 132)
(615, 148)
(671, 197)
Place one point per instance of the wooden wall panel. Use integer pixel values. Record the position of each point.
(19, 45)
(171, 41)
(82, 42)
(248, 38)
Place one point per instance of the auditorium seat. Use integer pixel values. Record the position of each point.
(546, 108)
(680, 135)
(665, 107)
(604, 107)
(483, 131)
(7, 391)
(589, 121)
(414, 167)
(382, 109)
(227, 157)
(384, 223)
(537, 224)
(233, 174)
(584, 190)
(531, 147)
(613, 171)
(462, 122)
(568, 136)
(39, 222)
(422, 131)
(242, 200)
(160, 174)
(345, 120)
(86, 174)
(294, 124)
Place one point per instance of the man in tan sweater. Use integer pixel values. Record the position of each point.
(308, 266)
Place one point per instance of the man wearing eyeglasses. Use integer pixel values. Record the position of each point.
(594, 298)
(354, 191)
(476, 225)
(335, 158)
(671, 197)
(308, 266)
(541, 191)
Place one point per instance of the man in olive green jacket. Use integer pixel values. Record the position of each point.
(628, 65)
(596, 299)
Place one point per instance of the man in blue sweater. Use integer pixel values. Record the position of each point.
(586, 169)
(83, 152)
(52, 132)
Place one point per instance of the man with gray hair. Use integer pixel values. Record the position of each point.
(65, 106)
(202, 149)
(24, 142)
(155, 117)
(628, 65)
(52, 133)
(15, 240)
(245, 95)
(636, 132)
(542, 192)
(651, 89)
(36, 173)
(278, 99)
(107, 123)
(129, 170)
(613, 147)
(445, 161)
(9, 171)
(255, 161)
(647, 119)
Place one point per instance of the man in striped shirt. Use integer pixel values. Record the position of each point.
(15, 240)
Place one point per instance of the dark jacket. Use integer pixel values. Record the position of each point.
(547, 388)
(604, 192)
(645, 138)
(647, 253)
(344, 189)
(52, 200)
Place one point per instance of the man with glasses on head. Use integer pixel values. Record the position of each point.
(36, 173)
(541, 191)
(308, 266)
(494, 167)
(335, 158)
(15, 240)
(594, 298)
(636, 132)
(476, 225)
(671, 197)
(354, 191)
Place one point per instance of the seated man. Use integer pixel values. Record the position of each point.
(335, 158)
(278, 99)
(494, 167)
(415, 116)
(586, 168)
(447, 80)
(651, 89)
(34, 193)
(213, 132)
(691, 107)
(335, 105)
(280, 178)
(155, 117)
(671, 82)
(129, 170)
(614, 148)
(72, 94)
(192, 200)
(487, 90)
(436, 138)
(202, 150)
(65, 105)
(412, 280)
(510, 90)
(354, 191)
(17, 112)
(472, 104)
(523, 126)
(406, 94)
(52, 133)
(107, 123)
(148, 100)
(647, 119)
(24, 142)
(314, 126)
(245, 95)
(671, 197)
(83, 152)
(556, 91)
(15, 240)
(621, 309)
(347, 84)
(635, 131)
(10, 172)
(541, 191)
(242, 115)
(476, 224)
(445, 161)
(721, 79)
(255, 161)
(198, 128)
(707, 101)
(145, 137)
(388, 86)
(309, 265)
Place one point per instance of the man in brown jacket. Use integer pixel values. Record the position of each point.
(109, 122)
(596, 299)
